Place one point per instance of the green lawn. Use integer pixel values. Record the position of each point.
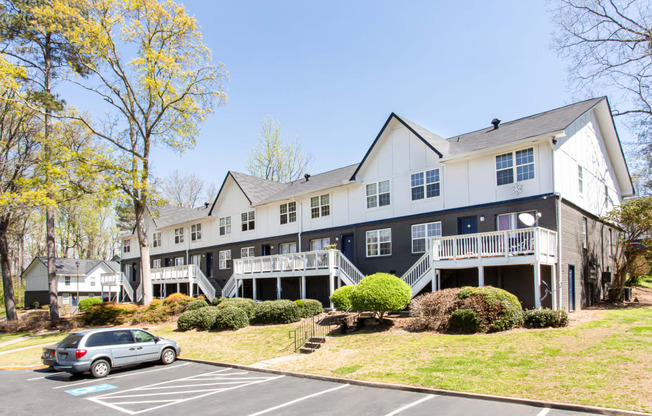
(13, 335)
(42, 339)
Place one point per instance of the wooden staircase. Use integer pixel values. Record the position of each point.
(312, 344)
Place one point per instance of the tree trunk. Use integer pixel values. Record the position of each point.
(141, 231)
(52, 269)
(7, 282)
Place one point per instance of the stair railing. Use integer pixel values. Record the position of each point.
(229, 288)
(348, 269)
(203, 282)
(418, 270)
(316, 326)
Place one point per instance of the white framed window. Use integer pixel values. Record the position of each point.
(320, 206)
(178, 235)
(91, 280)
(179, 261)
(225, 225)
(248, 220)
(195, 232)
(196, 260)
(523, 160)
(288, 212)
(319, 244)
(425, 184)
(287, 248)
(156, 242)
(378, 194)
(65, 298)
(422, 233)
(247, 252)
(225, 259)
(379, 243)
(126, 246)
(580, 179)
(585, 233)
(66, 281)
(156, 264)
(511, 221)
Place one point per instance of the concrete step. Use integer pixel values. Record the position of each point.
(305, 350)
(313, 345)
(319, 340)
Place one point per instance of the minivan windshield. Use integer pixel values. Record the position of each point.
(71, 341)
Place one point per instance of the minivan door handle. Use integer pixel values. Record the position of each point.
(139, 348)
(131, 349)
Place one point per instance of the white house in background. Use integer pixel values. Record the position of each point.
(75, 277)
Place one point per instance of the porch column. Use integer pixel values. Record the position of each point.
(553, 283)
(253, 280)
(178, 287)
(339, 282)
(331, 282)
(278, 288)
(303, 287)
(190, 289)
(433, 282)
(480, 276)
(537, 286)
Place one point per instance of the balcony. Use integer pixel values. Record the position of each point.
(190, 274)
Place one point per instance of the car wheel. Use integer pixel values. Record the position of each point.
(168, 356)
(100, 368)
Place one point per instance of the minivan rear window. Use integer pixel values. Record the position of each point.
(71, 341)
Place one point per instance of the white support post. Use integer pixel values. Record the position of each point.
(253, 281)
(553, 283)
(190, 289)
(278, 288)
(339, 282)
(537, 285)
(331, 274)
(303, 287)
(480, 276)
(178, 287)
(433, 283)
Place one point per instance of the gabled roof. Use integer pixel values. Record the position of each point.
(257, 189)
(68, 267)
(167, 215)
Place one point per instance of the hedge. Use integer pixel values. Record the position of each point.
(198, 304)
(230, 317)
(248, 305)
(277, 312)
(465, 320)
(188, 320)
(108, 313)
(309, 307)
(545, 318)
(86, 303)
(510, 313)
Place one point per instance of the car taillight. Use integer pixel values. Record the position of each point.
(80, 353)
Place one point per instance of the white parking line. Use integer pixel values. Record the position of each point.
(271, 409)
(407, 406)
(60, 376)
(124, 375)
(543, 412)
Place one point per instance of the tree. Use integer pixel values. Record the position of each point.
(634, 216)
(380, 293)
(276, 159)
(607, 43)
(156, 76)
(183, 190)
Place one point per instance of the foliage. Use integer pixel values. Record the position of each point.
(108, 313)
(645, 281)
(545, 318)
(247, 305)
(277, 312)
(274, 158)
(230, 317)
(177, 302)
(380, 293)
(309, 307)
(198, 304)
(502, 310)
(36, 305)
(86, 303)
(216, 301)
(465, 320)
(188, 320)
(341, 297)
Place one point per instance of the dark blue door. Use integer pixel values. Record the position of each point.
(209, 264)
(571, 287)
(467, 225)
(347, 246)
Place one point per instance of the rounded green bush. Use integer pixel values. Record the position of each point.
(511, 312)
(309, 307)
(86, 303)
(277, 312)
(248, 305)
(380, 293)
(188, 320)
(217, 301)
(230, 317)
(341, 297)
(198, 304)
(465, 320)
(545, 318)
(206, 318)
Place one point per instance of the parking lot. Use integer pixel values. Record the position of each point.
(201, 389)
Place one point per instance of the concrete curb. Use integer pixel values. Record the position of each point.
(403, 387)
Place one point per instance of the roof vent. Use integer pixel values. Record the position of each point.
(495, 122)
(206, 204)
(307, 176)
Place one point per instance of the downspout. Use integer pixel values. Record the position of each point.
(300, 220)
(559, 296)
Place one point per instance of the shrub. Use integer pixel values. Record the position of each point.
(247, 305)
(309, 307)
(188, 320)
(501, 309)
(545, 318)
(341, 297)
(217, 301)
(277, 312)
(206, 318)
(380, 293)
(177, 302)
(230, 317)
(87, 303)
(465, 320)
(108, 313)
(198, 304)
(36, 305)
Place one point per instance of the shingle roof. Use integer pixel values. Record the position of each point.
(168, 215)
(67, 266)
(257, 189)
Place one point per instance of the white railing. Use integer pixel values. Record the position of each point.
(348, 269)
(120, 280)
(527, 241)
(418, 270)
(309, 260)
(229, 288)
(190, 273)
(203, 282)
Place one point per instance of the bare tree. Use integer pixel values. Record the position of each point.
(276, 159)
(182, 190)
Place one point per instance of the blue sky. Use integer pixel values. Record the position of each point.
(332, 72)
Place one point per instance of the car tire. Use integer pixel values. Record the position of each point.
(100, 368)
(168, 356)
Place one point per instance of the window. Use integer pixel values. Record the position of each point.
(225, 225)
(425, 184)
(126, 246)
(378, 194)
(178, 235)
(379, 242)
(66, 281)
(156, 263)
(422, 233)
(319, 244)
(157, 240)
(288, 212)
(580, 179)
(65, 298)
(287, 248)
(92, 281)
(120, 337)
(195, 232)
(247, 252)
(179, 261)
(585, 234)
(511, 221)
(248, 221)
(196, 260)
(225, 259)
(524, 166)
(320, 206)
(142, 336)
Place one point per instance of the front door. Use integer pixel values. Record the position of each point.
(467, 225)
(571, 287)
(266, 250)
(209, 264)
(347, 246)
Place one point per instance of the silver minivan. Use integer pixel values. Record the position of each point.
(100, 350)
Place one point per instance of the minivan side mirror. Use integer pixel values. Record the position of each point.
(157, 339)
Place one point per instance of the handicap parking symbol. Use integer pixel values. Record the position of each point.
(90, 389)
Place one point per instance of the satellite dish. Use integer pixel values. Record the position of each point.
(527, 219)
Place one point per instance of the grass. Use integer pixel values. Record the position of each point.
(42, 339)
(10, 336)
